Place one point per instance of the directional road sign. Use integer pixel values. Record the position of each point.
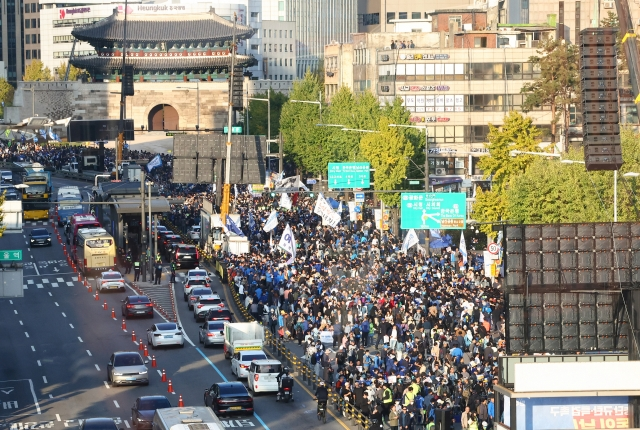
(349, 175)
(433, 211)
(11, 255)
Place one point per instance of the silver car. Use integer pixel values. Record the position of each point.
(204, 303)
(211, 333)
(127, 368)
(111, 280)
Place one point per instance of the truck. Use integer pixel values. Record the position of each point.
(242, 337)
(182, 419)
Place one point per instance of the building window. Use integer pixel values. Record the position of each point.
(281, 33)
(281, 6)
(254, 14)
(34, 8)
(285, 34)
(370, 19)
(479, 42)
(269, 33)
(254, 47)
(281, 62)
(38, 37)
(285, 46)
(457, 22)
(269, 76)
(28, 55)
(281, 47)
(27, 23)
(290, 47)
(34, 54)
(265, 33)
(27, 39)
(390, 16)
(291, 34)
(280, 77)
(415, 15)
(33, 23)
(265, 47)
(269, 47)
(402, 15)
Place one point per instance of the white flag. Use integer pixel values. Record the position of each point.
(340, 208)
(463, 248)
(409, 240)
(288, 244)
(324, 209)
(272, 222)
(285, 201)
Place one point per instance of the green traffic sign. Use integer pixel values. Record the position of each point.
(234, 129)
(433, 211)
(414, 182)
(349, 175)
(12, 255)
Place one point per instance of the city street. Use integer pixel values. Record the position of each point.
(58, 340)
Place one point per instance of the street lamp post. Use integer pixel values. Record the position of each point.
(426, 150)
(269, 140)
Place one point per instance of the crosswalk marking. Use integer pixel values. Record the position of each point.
(70, 283)
(59, 279)
(45, 281)
(29, 281)
(54, 284)
(39, 286)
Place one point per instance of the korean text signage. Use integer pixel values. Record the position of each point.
(349, 175)
(424, 56)
(13, 255)
(433, 211)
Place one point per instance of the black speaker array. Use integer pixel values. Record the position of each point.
(566, 322)
(195, 157)
(596, 254)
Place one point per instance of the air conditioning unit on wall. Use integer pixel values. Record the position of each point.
(441, 171)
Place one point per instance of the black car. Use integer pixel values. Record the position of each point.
(40, 237)
(98, 424)
(167, 241)
(137, 306)
(144, 409)
(219, 315)
(228, 398)
(185, 256)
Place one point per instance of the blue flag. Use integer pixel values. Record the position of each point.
(155, 162)
(231, 226)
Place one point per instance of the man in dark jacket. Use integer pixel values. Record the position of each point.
(405, 420)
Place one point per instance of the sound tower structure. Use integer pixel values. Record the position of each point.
(599, 85)
(564, 285)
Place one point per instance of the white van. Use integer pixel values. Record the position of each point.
(262, 376)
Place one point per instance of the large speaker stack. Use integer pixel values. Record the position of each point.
(600, 118)
(563, 285)
(197, 157)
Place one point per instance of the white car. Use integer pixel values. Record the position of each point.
(242, 360)
(111, 280)
(194, 232)
(204, 303)
(199, 273)
(262, 376)
(165, 334)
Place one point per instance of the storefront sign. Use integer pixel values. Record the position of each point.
(420, 119)
(423, 88)
(73, 11)
(480, 150)
(424, 56)
(160, 8)
(219, 53)
(442, 151)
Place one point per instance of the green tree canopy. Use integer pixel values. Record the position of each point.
(74, 72)
(36, 71)
(6, 95)
(389, 152)
(558, 86)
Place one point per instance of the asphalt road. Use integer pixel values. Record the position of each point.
(58, 338)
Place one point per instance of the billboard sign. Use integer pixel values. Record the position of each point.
(349, 175)
(433, 211)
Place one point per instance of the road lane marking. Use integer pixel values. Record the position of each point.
(58, 417)
(106, 384)
(80, 339)
(26, 334)
(56, 303)
(10, 302)
(35, 399)
(70, 325)
(15, 311)
(33, 348)
(64, 315)
(51, 396)
(44, 378)
(20, 322)
(126, 423)
(115, 402)
(89, 352)
(159, 372)
(98, 367)
(225, 380)
(50, 295)
(39, 364)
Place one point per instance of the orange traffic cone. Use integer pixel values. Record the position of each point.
(113, 312)
(146, 351)
(124, 324)
(170, 387)
(153, 361)
(97, 296)
(133, 336)
(106, 308)
(180, 402)
(164, 376)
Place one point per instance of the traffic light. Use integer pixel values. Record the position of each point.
(600, 118)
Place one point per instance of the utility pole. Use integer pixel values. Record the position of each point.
(123, 97)
(226, 191)
(143, 230)
(280, 153)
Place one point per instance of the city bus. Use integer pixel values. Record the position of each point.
(78, 221)
(34, 210)
(95, 250)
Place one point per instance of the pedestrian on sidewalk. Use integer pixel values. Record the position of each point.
(136, 270)
(158, 276)
(173, 272)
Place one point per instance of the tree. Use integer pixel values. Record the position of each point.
(558, 85)
(36, 71)
(6, 95)
(303, 142)
(74, 72)
(389, 152)
(259, 113)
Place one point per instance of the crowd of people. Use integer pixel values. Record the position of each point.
(401, 336)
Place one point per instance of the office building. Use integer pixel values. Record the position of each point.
(11, 47)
